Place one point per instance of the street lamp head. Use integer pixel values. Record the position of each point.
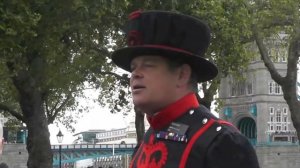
(60, 137)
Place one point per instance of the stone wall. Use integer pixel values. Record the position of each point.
(14, 155)
(278, 156)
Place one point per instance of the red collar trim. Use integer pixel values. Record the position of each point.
(173, 111)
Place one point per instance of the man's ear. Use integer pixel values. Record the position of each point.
(185, 72)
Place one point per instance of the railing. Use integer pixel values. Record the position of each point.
(93, 146)
(75, 152)
(277, 144)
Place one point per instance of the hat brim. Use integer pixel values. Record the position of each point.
(204, 69)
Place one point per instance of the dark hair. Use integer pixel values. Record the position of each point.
(175, 63)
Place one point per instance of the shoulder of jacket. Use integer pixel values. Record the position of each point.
(203, 112)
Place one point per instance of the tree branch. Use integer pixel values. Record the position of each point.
(50, 111)
(123, 78)
(47, 109)
(265, 57)
(55, 110)
(100, 50)
(279, 23)
(12, 112)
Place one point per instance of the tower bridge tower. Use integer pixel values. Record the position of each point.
(256, 105)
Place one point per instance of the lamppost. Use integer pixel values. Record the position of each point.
(60, 138)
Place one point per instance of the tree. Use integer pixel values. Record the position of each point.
(49, 50)
(278, 22)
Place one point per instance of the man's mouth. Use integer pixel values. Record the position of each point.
(138, 87)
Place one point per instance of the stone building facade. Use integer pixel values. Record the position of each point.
(256, 105)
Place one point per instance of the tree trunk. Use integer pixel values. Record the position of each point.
(290, 96)
(139, 125)
(294, 107)
(205, 101)
(38, 143)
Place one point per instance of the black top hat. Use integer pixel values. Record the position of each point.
(167, 34)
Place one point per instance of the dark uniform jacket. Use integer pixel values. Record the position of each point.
(187, 135)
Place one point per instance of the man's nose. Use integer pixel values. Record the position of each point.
(136, 73)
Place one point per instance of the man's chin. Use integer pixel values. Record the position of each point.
(145, 108)
(141, 105)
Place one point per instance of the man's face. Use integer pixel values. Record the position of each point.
(152, 83)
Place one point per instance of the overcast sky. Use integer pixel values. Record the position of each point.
(97, 118)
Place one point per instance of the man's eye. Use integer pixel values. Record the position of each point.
(149, 65)
(132, 68)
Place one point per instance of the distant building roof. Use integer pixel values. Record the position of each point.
(90, 131)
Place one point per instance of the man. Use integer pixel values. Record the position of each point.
(165, 56)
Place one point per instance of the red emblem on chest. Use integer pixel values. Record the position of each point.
(153, 154)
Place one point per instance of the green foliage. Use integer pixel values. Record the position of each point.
(277, 23)
(230, 24)
(61, 45)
